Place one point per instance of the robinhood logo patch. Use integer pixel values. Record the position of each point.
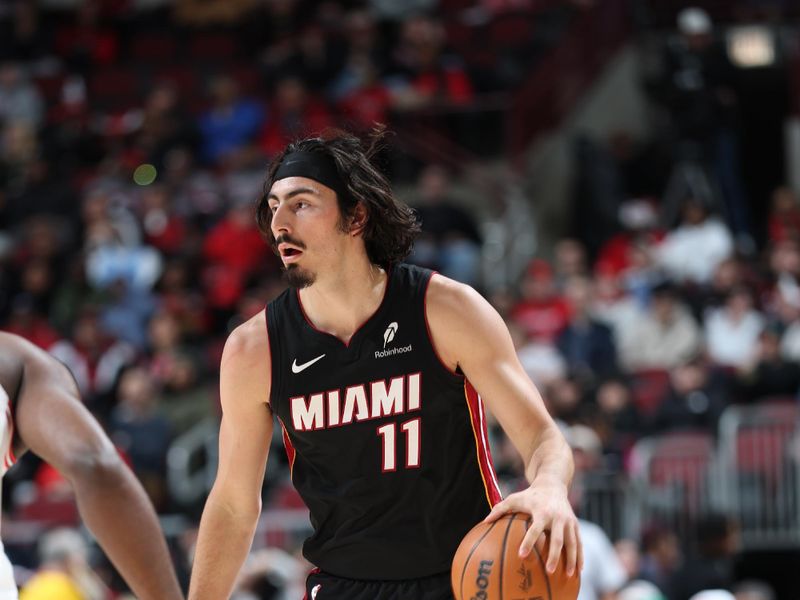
(388, 336)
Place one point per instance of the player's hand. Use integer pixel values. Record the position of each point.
(550, 510)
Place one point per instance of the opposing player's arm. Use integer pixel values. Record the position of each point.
(234, 505)
(51, 420)
(468, 333)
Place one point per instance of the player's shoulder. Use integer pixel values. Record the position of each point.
(449, 299)
(248, 344)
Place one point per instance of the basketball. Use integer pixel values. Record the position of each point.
(487, 566)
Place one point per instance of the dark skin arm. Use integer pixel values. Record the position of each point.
(51, 421)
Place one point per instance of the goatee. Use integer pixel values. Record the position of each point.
(297, 278)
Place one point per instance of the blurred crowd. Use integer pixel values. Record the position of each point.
(133, 144)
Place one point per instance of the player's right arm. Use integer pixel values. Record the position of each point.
(234, 504)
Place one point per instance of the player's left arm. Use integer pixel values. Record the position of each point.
(469, 334)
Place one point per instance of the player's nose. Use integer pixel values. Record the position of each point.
(280, 221)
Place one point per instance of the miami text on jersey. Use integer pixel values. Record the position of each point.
(355, 403)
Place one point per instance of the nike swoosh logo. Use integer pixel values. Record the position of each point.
(297, 368)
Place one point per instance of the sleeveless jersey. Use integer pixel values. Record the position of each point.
(387, 445)
(8, 588)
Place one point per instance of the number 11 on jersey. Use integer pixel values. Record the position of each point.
(388, 435)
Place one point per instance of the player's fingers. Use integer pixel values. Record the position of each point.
(580, 547)
(500, 509)
(533, 533)
(556, 544)
(540, 543)
(571, 545)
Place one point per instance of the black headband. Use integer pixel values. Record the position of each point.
(313, 165)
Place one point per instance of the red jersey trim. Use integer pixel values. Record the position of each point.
(291, 453)
(484, 453)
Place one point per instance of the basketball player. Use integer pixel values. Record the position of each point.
(375, 371)
(43, 413)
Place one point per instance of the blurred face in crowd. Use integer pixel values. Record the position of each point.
(613, 396)
(433, 183)
(570, 257)
(136, 389)
(579, 295)
(785, 258)
(739, 303)
(663, 307)
(783, 200)
(688, 378)
(694, 213)
(727, 275)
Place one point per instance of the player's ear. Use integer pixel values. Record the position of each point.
(359, 219)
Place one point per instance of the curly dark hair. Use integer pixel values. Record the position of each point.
(391, 225)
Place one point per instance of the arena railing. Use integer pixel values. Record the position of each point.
(759, 448)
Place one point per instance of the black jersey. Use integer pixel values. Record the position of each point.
(387, 445)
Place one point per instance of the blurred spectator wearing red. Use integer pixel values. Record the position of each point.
(541, 312)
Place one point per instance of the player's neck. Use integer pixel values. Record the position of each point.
(340, 304)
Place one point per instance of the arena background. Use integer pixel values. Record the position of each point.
(618, 177)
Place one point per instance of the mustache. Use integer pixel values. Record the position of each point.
(287, 239)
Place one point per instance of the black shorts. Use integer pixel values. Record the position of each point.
(323, 586)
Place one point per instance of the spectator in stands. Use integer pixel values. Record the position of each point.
(165, 125)
(24, 38)
(784, 216)
(697, 86)
(294, 113)
(661, 556)
(196, 195)
(230, 126)
(541, 312)
(450, 241)
(163, 227)
(603, 573)
(691, 252)
(753, 590)
(732, 331)
(315, 58)
(570, 260)
(125, 312)
(141, 432)
(663, 336)
(539, 357)
(617, 421)
(94, 358)
(695, 399)
(185, 401)
(25, 321)
(423, 74)
(65, 572)
(713, 565)
(586, 344)
(89, 43)
(20, 100)
(769, 374)
(358, 89)
(613, 304)
(564, 399)
(233, 250)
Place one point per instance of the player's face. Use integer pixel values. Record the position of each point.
(305, 218)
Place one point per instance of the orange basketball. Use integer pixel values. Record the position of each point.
(487, 566)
